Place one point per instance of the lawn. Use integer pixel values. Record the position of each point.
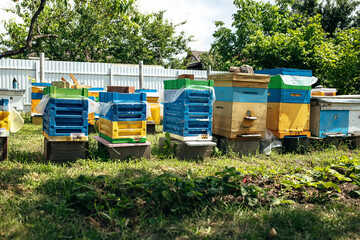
(301, 196)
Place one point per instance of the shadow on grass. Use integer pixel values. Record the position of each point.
(111, 207)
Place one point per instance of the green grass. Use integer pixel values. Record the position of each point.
(98, 198)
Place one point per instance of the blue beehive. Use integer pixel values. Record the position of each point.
(190, 115)
(65, 116)
(124, 107)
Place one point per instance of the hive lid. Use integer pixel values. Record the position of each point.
(331, 90)
(240, 77)
(345, 99)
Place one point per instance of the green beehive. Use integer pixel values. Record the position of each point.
(55, 92)
(184, 83)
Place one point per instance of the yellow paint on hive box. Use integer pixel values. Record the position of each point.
(65, 138)
(122, 129)
(34, 103)
(155, 113)
(91, 117)
(288, 119)
(37, 89)
(245, 80)
(231, 119)
(4, 120)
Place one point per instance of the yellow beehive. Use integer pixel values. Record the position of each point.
(34, 103)
(122, 129)
(4, 120)
(35, 89)
(240, 109)
(288, 119)
(155, 113)
(91, 118)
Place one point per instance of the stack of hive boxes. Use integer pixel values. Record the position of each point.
(4, 117)
(123, 117)
(335, 116)
(152, 98)
(37, 91)
(188, 115)
(65, 116)
(288, 108)
(240, 106)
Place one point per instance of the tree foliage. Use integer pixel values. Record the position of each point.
(296, 35)
(98, 30)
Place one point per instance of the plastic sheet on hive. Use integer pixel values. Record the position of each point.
(15, 120)
(270, 142)
(171, 95)
(93, 106)
(104, 108)
(298, 80)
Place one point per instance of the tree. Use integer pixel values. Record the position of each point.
(100, 31)
(336, 14)
(294, 49)
(27, 44)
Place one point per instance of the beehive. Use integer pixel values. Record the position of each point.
(124, 120)
(335, 116)
(190, 115)
(152, 98)
(123, 131)
(37, 91)
(240, 106)
(4, 117)
(65, 117)
(288, 108)
(323, 92)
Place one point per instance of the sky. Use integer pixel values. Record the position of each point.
(199, 14)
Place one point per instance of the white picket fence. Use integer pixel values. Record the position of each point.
(92, 74)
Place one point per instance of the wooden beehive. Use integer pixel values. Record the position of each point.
(239, 111)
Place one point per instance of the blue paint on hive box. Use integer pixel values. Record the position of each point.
(121, 97)
(64, 126)
(4, 104)
(57, 107)
(191, 114)
(189, 96)
(126, 112)
(186, 128)
(36, 95)
(238, 94)
(285, 71)
(41, 84)
(332, 121)
(289, 96)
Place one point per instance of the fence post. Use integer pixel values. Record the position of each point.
(141, 77)
(111, 76)
(208, 71)
(42, 67)
(37, 71)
